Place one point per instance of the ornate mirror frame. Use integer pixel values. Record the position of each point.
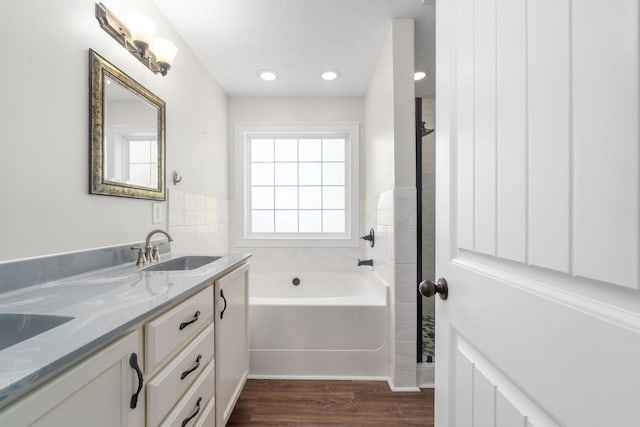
(99, 68)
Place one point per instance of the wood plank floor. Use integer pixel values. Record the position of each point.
(330, 403)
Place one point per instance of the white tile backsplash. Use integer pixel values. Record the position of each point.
(405, 280)
(197, 224)
(405, 207)
(385, 200)
(189, 217)
(266, 259)
(406, 357)
(211, 203)
(176, 217)
(396, 252)
(405, 378)
(194, 201)
(405, 321)
(223, 210)
(385, 270)
(405, 245)
(176, 200)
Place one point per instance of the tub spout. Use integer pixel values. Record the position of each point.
(365, 262)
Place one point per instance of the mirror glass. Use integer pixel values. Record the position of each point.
(127, 123)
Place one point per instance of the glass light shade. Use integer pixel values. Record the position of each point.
(164, 50)
(141, 28)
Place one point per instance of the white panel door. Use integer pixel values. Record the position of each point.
(538, 225)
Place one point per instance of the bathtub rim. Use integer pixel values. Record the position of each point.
(379, 294)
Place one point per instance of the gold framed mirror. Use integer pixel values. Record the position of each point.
(127, 125)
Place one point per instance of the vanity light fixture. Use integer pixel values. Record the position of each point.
(330, 75)
(156, 54)
(141, 30)
(419, 75)
(267, 75)
(165, 52)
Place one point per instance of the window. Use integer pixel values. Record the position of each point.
(297, 184)
(143, 162)
(131, 155)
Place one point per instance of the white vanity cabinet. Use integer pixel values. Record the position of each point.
(179, 350)
(232, 340)
(186, 367)
(97, 392)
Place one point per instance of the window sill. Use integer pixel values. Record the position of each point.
(296, 243)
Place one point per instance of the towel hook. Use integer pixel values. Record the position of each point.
(176, 178)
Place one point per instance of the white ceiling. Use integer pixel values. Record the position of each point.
(299, 39)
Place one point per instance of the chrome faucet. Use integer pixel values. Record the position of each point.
(365, 262)
(151, 253)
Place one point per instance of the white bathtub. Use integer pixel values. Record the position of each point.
(332, 325)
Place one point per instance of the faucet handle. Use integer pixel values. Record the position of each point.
(142, 259)
(155, 253)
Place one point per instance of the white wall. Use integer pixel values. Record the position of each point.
(390, 203)
(308, 110)
(44, 152)
(404, 103)
(378, 133)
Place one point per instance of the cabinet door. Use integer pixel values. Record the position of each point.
(95, 393)
(232, 340)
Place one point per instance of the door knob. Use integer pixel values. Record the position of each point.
(428, 289)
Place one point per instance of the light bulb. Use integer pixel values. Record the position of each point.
(165, 51)
(267, 75)
(331, 75)
(141, 29)
(419, 75)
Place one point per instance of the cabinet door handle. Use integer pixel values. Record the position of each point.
(196, 366)
(133, 362)
(225, 304)
(192, 416)
(195, 319)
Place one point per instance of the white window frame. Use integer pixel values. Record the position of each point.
(243, 134)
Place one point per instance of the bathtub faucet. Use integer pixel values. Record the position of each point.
(365, 262)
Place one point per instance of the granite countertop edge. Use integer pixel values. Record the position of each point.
(36, 365)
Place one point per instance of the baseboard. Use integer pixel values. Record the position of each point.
(426, 375)
(336, 378)
(317, 377)
(401, 389)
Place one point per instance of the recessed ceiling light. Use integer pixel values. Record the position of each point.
(419, 75)
(331, 75)
(267, 75)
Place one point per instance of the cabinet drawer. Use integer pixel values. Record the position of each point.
(169, 331)
(166, 388)
(191, 407)
(208, 417)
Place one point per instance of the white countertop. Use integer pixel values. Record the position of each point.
(103, 303)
